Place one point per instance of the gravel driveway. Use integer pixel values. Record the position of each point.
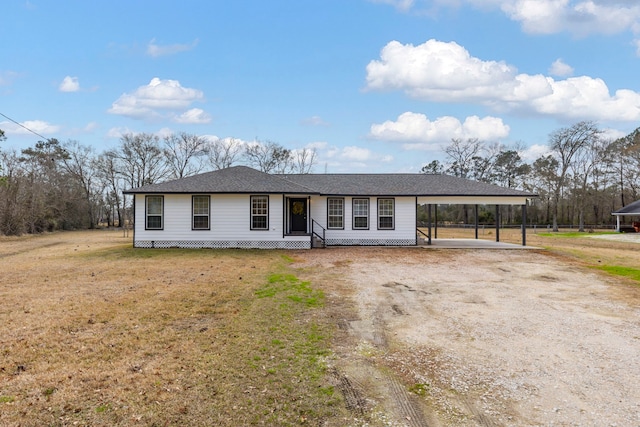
(480, 338)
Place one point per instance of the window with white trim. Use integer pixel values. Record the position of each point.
(154, 207)
(360, 214)
(335, 213)
(200, 212)
(386, 214)
(259, 212)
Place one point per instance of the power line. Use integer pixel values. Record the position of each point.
(23, 126)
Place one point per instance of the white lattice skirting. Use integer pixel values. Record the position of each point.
(223, 244)
(370, 242)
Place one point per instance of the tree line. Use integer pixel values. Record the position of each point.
(67, 185)
(581, 180)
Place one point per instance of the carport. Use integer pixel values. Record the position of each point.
(631, 210)
(432, 203)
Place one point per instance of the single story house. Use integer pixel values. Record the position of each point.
(631, 210)
(240, 207)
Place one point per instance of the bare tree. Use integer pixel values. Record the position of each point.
(269, 157)
(112, 181)
(223, 153)
(566, 143)
(624, 160)
(304, 160)
(12, 195)
(185, 154)
(78, 163)
(141, 159)
(586, 161)
(543, 181)
(460, 154)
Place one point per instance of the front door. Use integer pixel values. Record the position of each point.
(298, 215)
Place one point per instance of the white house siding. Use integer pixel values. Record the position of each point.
(403, 234)
(229, 225)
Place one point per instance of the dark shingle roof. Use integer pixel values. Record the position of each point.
(242, 179)
(407, 184)
(236, 179)
(630, 209)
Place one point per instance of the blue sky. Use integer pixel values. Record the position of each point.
(372, 85)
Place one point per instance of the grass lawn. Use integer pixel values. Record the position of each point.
(94, 332)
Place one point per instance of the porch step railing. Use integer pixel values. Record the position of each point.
(424, 236)
(317, 235)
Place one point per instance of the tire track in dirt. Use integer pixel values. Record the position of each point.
(388, 392)
(29, 249)
(407, 409)
(353, 397)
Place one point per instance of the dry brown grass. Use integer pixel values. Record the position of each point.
(94, 332)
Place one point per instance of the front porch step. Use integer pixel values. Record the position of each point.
(316, 242)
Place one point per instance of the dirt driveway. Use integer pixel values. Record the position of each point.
(480, 338)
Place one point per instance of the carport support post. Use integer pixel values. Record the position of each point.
(524, 225)
(429, 220)
(476, 216)
(435, 224)
(497, 223)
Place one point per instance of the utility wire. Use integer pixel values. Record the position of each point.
(23, 126)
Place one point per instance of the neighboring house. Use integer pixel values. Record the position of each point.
(631, 210)
(240, 207)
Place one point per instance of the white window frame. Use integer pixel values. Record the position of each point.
(148, 214)
(200, 211)
(259, 211)
(386, 211)
(358, 212)
(335, 212)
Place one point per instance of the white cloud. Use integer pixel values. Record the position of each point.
(348, 158)
(193, 116)
(636, 43)
(403, 5)
(155, 50)
(91, 126)
(7, 77)
(354, 153)
(69, 84)
(152, 100)
(446, 72)
(560, 68)
(38, 126)
(534, 152)
(318, 145)
(117, 132)
(417, 132)
(314, 121)
(578, 17)
(613, 134)
(436, 70)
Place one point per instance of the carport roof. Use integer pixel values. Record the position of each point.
(631, 209)
(242, 179)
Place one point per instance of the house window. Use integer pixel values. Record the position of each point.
(259, 212)
(361, 214)
(154, 212)
(385, 214)
(335, 212)
(200, 212)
